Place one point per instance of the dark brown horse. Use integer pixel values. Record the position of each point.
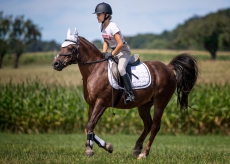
(180, 75)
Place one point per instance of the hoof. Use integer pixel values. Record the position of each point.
(109, 147)
(89, 152)
(136, 153)
(141, 156)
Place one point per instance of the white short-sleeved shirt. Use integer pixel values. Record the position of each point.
(108, 34)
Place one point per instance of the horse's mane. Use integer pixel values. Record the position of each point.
(89, 45)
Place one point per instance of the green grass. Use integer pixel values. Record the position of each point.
(58, 148)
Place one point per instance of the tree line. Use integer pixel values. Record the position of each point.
(210, 32)
(15, 34)
(18, 35)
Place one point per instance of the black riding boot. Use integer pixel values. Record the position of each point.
(128, 89)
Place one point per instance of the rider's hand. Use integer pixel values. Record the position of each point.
(107, 55)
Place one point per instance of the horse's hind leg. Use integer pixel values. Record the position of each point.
(160, 102)
(144, 112)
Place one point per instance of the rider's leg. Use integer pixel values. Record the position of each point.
(123, 61)
(128, 88)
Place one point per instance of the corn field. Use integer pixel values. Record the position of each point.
(33, 107)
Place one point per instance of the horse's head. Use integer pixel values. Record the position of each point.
(69, 52)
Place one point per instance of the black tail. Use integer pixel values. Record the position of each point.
(187, 71)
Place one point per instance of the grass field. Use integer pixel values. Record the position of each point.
(69, 148)
(211, 72)
(38, 65)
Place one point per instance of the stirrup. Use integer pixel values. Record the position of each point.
(129, 98)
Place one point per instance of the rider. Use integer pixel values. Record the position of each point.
(114, 39)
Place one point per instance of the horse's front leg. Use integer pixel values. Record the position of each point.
(91, 137)
(94, 115)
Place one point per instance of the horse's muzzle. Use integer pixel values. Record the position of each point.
(57, 65)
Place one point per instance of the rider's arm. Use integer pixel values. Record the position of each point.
(120, 44)
(105, 46)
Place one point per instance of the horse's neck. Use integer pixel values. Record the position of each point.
(88, 53)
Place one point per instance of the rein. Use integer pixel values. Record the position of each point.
(95, 61)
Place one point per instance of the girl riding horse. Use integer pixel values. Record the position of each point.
(114, 39)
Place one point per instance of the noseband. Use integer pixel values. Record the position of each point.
(72, 53)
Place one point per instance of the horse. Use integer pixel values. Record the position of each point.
(179, 75)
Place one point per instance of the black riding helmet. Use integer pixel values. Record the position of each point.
(103, 8)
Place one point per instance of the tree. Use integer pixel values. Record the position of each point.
(22, 33)
(38, 46)
(5, 23)
(210, 32)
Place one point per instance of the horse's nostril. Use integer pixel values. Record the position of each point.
(56, 64)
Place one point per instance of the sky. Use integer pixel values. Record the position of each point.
(133, 17)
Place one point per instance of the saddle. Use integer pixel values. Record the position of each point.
(137, 71)
(133, 61)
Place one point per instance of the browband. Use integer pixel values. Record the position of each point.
(71, 41)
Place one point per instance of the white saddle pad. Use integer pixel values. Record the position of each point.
(141, 71)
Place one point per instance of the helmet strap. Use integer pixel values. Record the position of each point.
(102, 23)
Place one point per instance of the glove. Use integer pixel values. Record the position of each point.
(107, 55)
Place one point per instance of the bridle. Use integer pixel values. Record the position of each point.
(72, 53)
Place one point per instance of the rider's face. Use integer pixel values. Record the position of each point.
(100, 17)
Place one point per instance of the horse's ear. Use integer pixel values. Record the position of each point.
(75, 32)
(68, 33)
